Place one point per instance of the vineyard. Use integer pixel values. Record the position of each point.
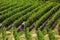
(29, 20)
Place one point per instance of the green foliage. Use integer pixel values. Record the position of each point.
(15, 33)
(31, 11)
(40, 35)
(20, 20)
(36, 16)
(51, 35)
(53, 19)
(46, 16)
(58, 27)
(44, 31)
(4, 35)
(27, 34)
(16, 16)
